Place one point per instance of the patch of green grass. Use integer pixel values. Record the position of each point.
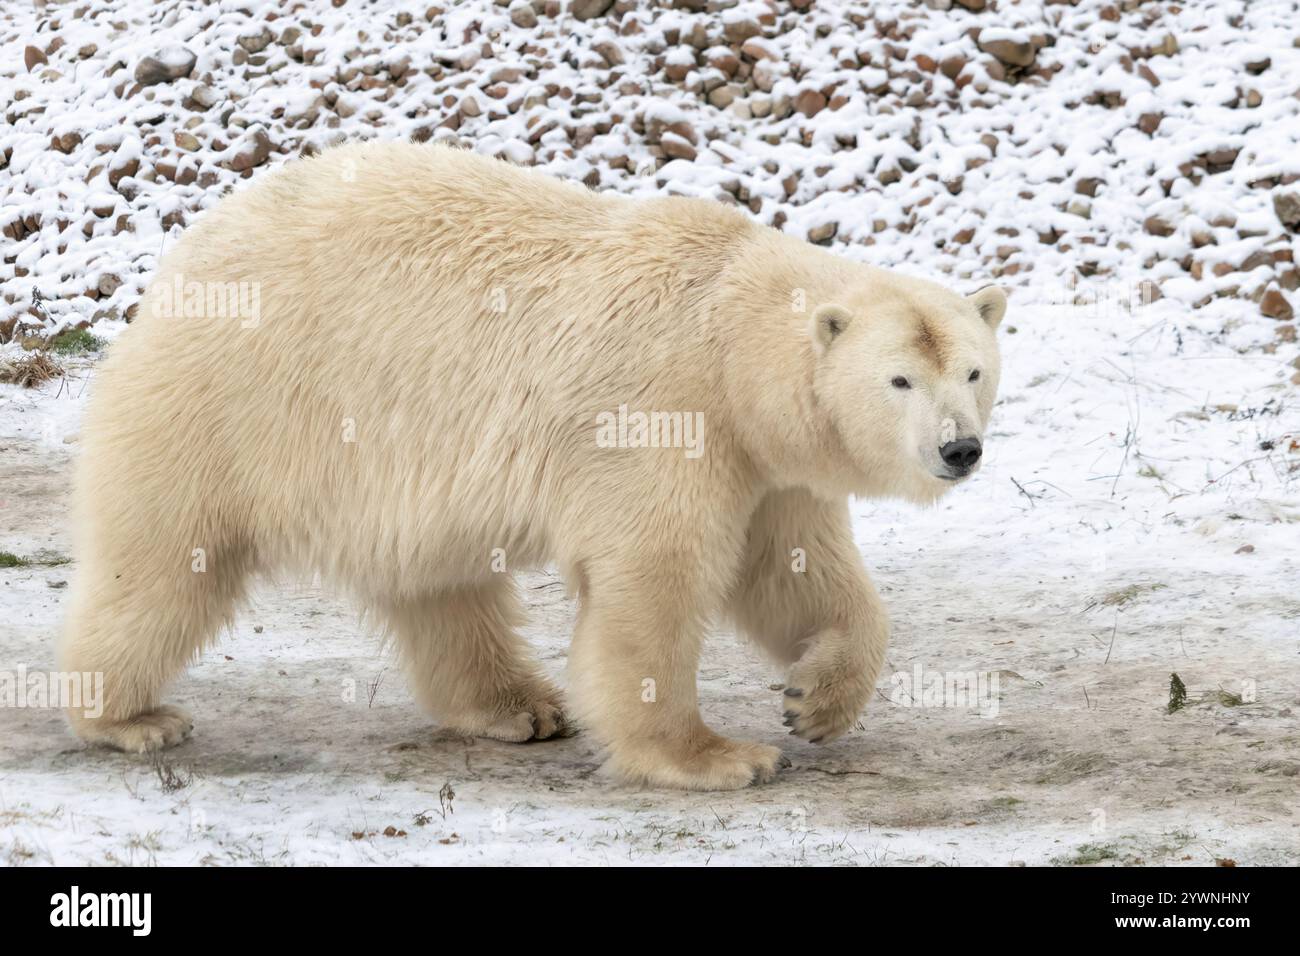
(75, 342)
(1091, 853)
(45, 559)
(1177, 693)
(1130, 593)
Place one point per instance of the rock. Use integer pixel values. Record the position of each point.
(67, 142)
(1148, 291)
(1158, 226)
(1009, 46)
(108, 284)
(951, 66)
(589, 9)
(33, 57)
(723, 96)
(257, 42)
(739, 29)
(170, 63)
(677, 147)
(823, 234)
(609, 51)
(1258, 66)
(1219, 160)
(810, 102)
(1088, 186)
(186, 141)
(1275, 306)
(126, 170)
(204, 97)
(975, 5)
(1287, 207)
(254, 151)
(1150, 122)
(523, 15)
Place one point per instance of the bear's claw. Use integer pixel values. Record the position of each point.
(826, 690)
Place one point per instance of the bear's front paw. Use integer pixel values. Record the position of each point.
(827, 688)
(709, 762)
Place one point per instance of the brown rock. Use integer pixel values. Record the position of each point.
(609, 51)
(677, 147)
(1287, 207)
(741, 29)
(1150, 122)
(523, 15)
(34, 57)
(810, 102)
(118, 173)
(255, 150)
(67, 142)
(1158, 226)
(257, 42)
(1088, 186)
(1011, 52)
(951, 66)
(589, 9)
(173, 63)
(1275, 306)
(823, 235)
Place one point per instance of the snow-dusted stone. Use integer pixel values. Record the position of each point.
(1287, 207)
(1158, 226)
(257, 42)
(34, 57)
(677, 147)
(589, 9)
(254, 151)
(1012, 47)
(810, 102)
(169, 63)
(1275, 305)
(523, 15)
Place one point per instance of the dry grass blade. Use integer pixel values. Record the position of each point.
(30, 370)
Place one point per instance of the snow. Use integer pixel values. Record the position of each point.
(1136, 515)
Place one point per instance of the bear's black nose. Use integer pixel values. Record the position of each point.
(962, 453)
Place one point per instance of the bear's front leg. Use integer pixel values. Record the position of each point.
(804, 596)
(632, 668)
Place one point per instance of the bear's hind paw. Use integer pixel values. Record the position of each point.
(147, 732)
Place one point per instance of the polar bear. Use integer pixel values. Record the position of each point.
(413, 369)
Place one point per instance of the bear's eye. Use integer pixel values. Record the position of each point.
(900, 382)
(974, 376)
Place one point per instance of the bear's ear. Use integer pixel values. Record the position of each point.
(828, 323)
(991, 303)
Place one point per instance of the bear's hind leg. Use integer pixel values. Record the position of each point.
(469, 667)
(138, 619)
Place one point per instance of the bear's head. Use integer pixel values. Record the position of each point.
(907, 371)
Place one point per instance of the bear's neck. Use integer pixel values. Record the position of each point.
(762, 314)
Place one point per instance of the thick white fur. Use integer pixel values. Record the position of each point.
(465, 321)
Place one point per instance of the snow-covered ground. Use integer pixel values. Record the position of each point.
(1137, 515)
